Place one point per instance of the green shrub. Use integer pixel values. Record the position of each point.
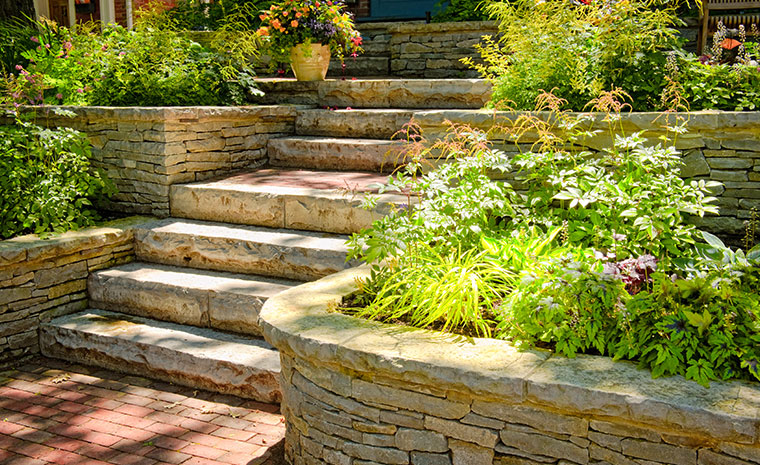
(117, 67)
(15, 39)
(46, 180)
(720, 86)
(578, 51)
(193, 15)
(460, 10)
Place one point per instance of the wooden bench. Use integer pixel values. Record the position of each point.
(732, 12)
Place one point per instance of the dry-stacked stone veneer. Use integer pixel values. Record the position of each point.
(41, 279)
(146, 150)
(361, 393)
(719, 146)
(435, 50)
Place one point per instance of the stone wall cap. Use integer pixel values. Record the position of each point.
(300, 322)
(486, 27)
(164, 114)
(707, 120)
(33, 247)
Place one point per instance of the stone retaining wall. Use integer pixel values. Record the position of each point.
(41, 279)
(720, 146)
(361, 393)
(434, 50)
(146, 150)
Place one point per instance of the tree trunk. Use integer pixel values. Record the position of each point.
(16, 8)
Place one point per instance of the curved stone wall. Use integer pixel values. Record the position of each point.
(363, 393)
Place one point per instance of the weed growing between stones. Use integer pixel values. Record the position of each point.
(580, 251)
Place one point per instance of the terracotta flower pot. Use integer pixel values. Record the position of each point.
(310, 62)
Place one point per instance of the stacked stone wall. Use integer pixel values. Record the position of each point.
(362, 393)
(41, 279)
(146, 150)
(435, 50)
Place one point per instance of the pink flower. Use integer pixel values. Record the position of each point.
(59, 96)
(80, 90)
(121, 54)
(19, 67)
(35, 40)
(47, 45)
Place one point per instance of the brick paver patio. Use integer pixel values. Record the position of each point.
(52, 412)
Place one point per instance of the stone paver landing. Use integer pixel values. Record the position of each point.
(53, 412)
(359, 181)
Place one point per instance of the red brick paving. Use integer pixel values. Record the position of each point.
(55, 412)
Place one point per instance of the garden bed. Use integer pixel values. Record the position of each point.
(368, 391)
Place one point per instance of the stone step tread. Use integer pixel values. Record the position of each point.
(320, 139)
(206, 280)
(377, 93)
(215, 299)
(329, 201)
(197, 357)
(303, 182)
(247, 233)
(238, 248)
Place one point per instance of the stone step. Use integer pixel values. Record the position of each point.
(376, 123)
(329, 153)
(297, 255)
(201, 298)
(310, 200)
(377, 93)
(201, 358)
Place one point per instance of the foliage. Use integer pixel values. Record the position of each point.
(46, 180)
(587, 253)
(460, 10)
(194, 15)
(117, 67)
(578, 51)
(704, 328)
(292, 22)
(720, 86)
(15, 39)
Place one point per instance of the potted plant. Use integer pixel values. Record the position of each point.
(305, 33)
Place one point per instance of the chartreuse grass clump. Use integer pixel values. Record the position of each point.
(580, 252)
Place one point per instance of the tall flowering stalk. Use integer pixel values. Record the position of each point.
(293, 22)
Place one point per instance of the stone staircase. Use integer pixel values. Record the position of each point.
(187, 310)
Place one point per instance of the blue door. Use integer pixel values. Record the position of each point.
(401, 9)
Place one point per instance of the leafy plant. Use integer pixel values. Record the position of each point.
(46, 180)
(720, 86)
(15, 39)
(704, 328)
(460, 10)
(117, 67)
(578, 51)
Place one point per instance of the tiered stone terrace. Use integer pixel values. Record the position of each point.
(187, 296)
